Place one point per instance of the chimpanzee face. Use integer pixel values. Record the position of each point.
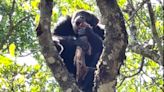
(82, 17)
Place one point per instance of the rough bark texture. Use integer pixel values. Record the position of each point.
(115, 44)
(65, 80)
(146, 52)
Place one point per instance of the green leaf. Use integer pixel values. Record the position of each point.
(121, 2)
(34, 4)
(37, 67)
(12, 48)
(37, 18)
(5, 60)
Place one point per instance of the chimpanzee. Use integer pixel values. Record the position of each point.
(80, 40)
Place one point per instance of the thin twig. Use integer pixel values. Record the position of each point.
(140, 69)
(32, 52)
(21, 20)
(154, 80)
(141, 5)
(141, 20)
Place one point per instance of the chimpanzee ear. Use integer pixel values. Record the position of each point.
(94, 20)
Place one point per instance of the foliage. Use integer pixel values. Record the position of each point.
(21, 77)
(17, 37)
(17, 26)
(148, 76)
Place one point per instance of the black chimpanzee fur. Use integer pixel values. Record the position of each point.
(65, 28)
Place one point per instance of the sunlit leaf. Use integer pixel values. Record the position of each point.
(5, 60)
(121, 2)
(12, 48)
(157, 23)
(69, 1)
(35, 88)
(37, 67)
(26, 6)
(57, 89)
(37, 18)
(126, 16)
(34, 4)
(20, 78)
(64, 11)
(39, 74)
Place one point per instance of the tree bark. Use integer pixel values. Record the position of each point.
(115, 44)
(65, 80)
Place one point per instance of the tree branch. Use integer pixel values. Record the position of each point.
(154, 31)
(21, 20)
(30, 53)
(136, 10)
(146, 52)
(11, 25)
(50, 53)
(133, 29)
(140, 69)
(11, 12)
(115, 43)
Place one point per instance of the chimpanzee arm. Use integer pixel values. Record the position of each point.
(94, 39)
(64, 39)
(91, 34)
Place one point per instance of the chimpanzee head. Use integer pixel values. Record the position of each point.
(83, 17)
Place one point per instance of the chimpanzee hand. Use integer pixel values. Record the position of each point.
(88, 31)
(83, 44)
(81, 32)
(85, 31)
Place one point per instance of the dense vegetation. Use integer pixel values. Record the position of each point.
(22, 66)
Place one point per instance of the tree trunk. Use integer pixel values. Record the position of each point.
(65, 80)
(115, 45)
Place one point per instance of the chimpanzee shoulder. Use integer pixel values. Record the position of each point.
(100, 31)
(64, 27)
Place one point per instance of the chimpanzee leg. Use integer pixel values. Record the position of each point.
(87, 83)
(94, 60)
